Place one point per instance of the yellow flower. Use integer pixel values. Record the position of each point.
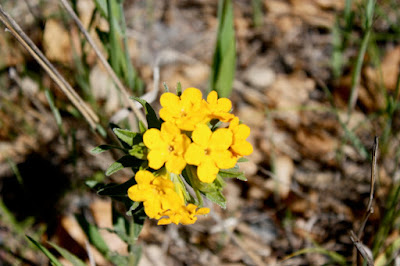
(185, 111)
(219, 108)
(240, 147)
(166, 146)
(160, 200)
(156, 193)
(184, 215)
(209, 151)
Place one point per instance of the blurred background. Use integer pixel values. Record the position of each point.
(316, 81)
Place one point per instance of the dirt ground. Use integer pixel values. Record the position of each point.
(309, 176)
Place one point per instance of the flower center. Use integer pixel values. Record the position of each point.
(207, 151)
(170, 148)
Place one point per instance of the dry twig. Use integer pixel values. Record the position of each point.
(370, 209)
(361, 249)
(356, 238)
(27, 43)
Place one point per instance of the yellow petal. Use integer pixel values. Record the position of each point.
(169, 99)
(144, 177)
(212, 97)
(242, 132)
(175, 164)
(207, 171)
(152, 138)
(224, 105)
(224, 159)
(166, 115)
(164, 184)
(169, 131)
(202, 211)
(234, 123)
(221, 139)
(181, 143)
(157, 158)
(242, 148)
(164, 221)
(191, 95)
(186, 220)
(194, 154)
(171, 201)
(152, 208)
(201, 135)
(191, 208)
(135, 194)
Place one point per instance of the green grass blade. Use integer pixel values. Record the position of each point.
(257, 12)
(224, 61)
(68, 255)
(54, 109)
(118, 46)
(387, 257)
(368, 18)
(336, 257)
(52, 258)
(115, 48)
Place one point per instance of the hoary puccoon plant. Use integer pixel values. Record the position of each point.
(179, 158)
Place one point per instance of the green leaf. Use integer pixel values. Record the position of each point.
(139, 151)
(232, 173)
(105, 147)
(135, 254)
(212, 191)
(123, 143)
(142, 127)
(139, 217)
(217, 197)
(68, 255)
(52, 258)
(134, 205)
(151, 117)
(224, 60)
(94, 184)
(242, 160)
(117, 190)
(128, 136)
(93, 234)
(179, 89)
(166, 89)
(120, 225)
(117, 259)
(125, 161)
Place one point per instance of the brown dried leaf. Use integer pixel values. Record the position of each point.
(57, 41)
(102, 213)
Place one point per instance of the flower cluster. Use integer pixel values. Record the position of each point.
(185, 147)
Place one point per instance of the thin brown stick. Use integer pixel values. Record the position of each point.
(361, 249)
(104, 62)
(370, 210)
(27, 43)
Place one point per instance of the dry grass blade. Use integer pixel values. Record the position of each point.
(27, 43)
(103, 60)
